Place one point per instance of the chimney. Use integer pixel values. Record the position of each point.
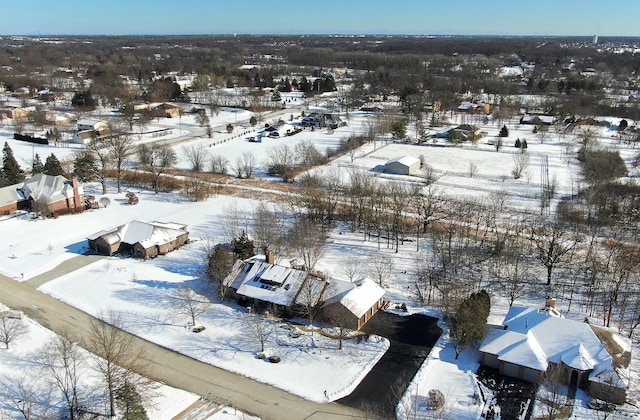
(550, 303)
(76, 192)
(270, 257)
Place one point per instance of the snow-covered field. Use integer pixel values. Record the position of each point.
(141, 290)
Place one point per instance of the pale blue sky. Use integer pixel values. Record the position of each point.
(457, 17)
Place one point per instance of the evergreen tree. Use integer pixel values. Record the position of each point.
(84, 166)
(83, 100)
(304, 85)
(470, 320)
(37, 167)
(504, 131)
(52, 166)
(243, 247)
(12, 174)
(129, 402)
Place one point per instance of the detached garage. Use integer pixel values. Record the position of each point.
(405, 165)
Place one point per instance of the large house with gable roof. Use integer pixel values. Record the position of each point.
(261, 283)
(531, 340)
(141, 239)
(43, 193)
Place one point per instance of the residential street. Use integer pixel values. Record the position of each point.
(173, 368)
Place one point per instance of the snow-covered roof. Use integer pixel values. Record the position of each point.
(48, 188)
(405, 160)
(11, 194)
(146, 233)
(88, 122)
(357, 297)
(266, 282)
(532, 337)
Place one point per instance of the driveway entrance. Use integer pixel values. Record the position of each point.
(411, 339)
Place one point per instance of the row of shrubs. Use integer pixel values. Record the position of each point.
(30, 139)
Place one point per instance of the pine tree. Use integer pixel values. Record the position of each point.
(470, 320)
(52, 166)
(129, 402)
(243, 247)
(84, 166)
(504, 131)
(37, 167)
(12, 174)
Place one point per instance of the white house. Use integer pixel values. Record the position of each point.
(93, 125)
(530, 340)
(404, 165)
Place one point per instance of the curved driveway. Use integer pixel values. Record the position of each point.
(173, 368)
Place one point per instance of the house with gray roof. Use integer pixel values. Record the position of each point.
(260, 283)
(49, 194)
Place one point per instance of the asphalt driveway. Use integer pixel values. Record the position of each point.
(411, 339)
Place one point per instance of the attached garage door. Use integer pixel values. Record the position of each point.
(510, 369)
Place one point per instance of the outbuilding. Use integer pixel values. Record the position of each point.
(405, 165)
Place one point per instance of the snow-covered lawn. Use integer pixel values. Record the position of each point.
(141, 292)
(18, 365)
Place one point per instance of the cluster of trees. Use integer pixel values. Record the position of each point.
(62, 366)
(11, 173)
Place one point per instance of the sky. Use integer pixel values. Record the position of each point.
(411, 17)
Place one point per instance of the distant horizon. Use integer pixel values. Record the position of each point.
(542, 18)
(346, 35)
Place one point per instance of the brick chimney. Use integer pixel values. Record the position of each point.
(76, 192)
(270, 256)
(550, 303)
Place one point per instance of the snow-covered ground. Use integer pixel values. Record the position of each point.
(18, 365)
(141, 289)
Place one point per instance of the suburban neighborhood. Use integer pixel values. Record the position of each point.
(275, 227)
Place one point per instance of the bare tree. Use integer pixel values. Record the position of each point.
(219, 164)
(512, 275)
(551, 393)
(553, 243)
(98, 147)
(310, 298)
(120, 149)
(380, 268)
(351, 267)
(520, 163)
(196, 188)
(268, 229)
(281, 161)
(22, 391)
(247, 161)
(259, 328)
(62, 359)
(188, 303)
(220, 261)
(117, 356)
(341, 327)
(197, 156)
(156, 159)
(307, 240)
(11, 328)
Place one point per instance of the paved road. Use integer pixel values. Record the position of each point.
(176, 369)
